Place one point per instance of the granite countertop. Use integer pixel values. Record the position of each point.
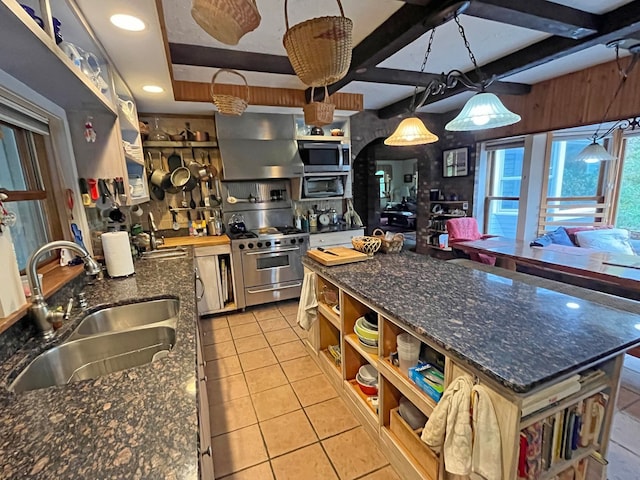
(138, 423)
(519, 334)
(333, 228)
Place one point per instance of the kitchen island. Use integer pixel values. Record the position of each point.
(137, 423)
(515, 338)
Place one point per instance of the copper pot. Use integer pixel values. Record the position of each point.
(202, 136)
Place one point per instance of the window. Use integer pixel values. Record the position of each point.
(25, 179)
(574, 188)
(503, 199)
(628, 206)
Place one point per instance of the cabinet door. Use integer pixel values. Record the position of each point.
(208, 291)
(205, 453)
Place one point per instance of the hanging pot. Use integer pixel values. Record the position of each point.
(182, 179)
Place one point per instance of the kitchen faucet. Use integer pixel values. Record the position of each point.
(39, 309)
(153, 241)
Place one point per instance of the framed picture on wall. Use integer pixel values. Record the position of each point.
(408, 178)
(455, 162)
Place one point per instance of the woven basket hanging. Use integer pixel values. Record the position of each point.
(229, 104)
(319, 49)
(226, 20)
(319, 113)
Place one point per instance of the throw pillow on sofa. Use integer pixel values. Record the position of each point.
(614, 240)
(558, 236)
(571, 231)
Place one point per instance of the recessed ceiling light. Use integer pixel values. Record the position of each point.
(153, 89)
(127, 22)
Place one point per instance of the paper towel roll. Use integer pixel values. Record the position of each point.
(11, 294)
(117, 254)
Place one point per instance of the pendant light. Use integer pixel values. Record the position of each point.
(412, 131)
(484, 110)
(594, 152)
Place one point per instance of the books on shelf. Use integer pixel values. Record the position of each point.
(556, 438)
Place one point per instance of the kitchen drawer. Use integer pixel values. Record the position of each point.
(212, 250)
(334, 239)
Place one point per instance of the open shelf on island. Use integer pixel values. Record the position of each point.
(369, 353)
(364, 399)
(329, 314)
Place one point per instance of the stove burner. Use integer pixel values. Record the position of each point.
(286, 230)
(241, 235)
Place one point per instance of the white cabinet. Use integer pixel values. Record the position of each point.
(214, 279)
(334, 239)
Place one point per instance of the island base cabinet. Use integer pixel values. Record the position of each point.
(205, 455)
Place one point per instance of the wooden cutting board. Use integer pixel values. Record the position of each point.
(345, 255)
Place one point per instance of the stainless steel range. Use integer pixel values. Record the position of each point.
(268, 264)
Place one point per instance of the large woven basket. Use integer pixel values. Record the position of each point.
(392, 245)
(366, 244)
(226, 20)
(319, 49)
(229, 104)
(319, 113)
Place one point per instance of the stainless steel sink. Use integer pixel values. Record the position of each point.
(125, 317)
(166, 253)
(93, 357)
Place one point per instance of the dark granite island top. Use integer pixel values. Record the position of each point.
(138, 423)
(516, 333)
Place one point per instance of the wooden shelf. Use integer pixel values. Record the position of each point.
(323, 138)
(414, 394)
(369, 354)
(448, 215)
(182, 144)
(438, 231)
(578, 455)
(357, 393)
(587, 390)
(324, 354)
(329, 314)
(435, 202)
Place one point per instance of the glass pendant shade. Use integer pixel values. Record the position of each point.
(411, 131)
(481, 112)
(593, 153)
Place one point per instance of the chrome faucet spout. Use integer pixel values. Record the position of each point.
(39, 308)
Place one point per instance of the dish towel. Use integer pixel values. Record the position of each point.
(307, 312)
(487, 445)
(449, 427)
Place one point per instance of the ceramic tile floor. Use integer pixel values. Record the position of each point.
(274, 416)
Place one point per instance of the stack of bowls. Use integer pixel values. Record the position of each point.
(367, 378)
(367, 332)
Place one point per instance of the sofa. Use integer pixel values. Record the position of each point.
(604, 238)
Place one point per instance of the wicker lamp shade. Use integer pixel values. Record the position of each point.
(229, 104)
(319, 49)
(226, 20)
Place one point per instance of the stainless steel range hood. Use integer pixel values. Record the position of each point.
(258, 146)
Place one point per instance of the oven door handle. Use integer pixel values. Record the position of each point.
(276, 251)
(275, 288)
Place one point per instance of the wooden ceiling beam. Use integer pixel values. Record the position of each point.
(622, 22)
(275, 97)
(407, 24)
(183, 54)
(539, 15)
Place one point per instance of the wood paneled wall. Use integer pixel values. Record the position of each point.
(276, 97)
(575, 99)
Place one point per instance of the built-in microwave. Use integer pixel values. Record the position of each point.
(322, 187)
(324, 156)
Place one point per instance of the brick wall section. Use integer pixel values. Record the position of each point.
(367, 134)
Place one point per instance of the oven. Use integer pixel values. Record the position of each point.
(324, 156)
(271, 267)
